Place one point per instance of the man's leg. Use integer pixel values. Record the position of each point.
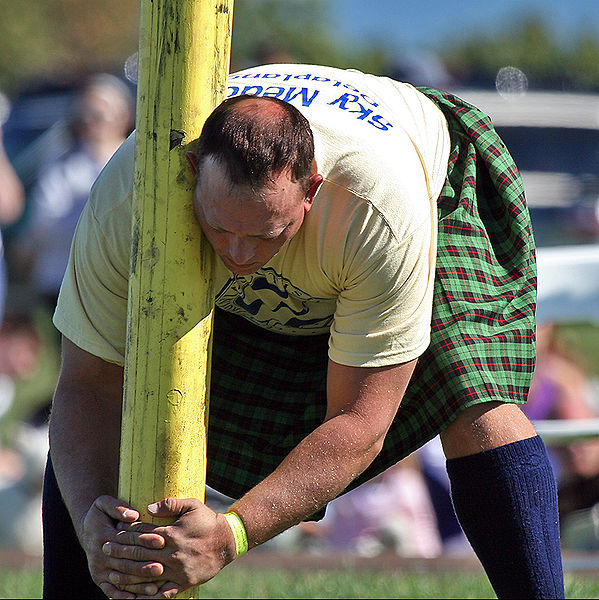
(66, 574)
(505, 497)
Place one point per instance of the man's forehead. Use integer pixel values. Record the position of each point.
(279, 194)
(240, 209)
(213, 176)
(244, 217)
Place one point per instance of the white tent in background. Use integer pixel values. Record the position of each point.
(568, 291)
(568, 284)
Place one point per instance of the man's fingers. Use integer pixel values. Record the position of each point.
(116, 509)
(169, 590)
(143, 588)
(114, 550)
(132, 560)
(129, 536)
(113, 592)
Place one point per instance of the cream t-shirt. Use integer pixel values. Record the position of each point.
(361, 266)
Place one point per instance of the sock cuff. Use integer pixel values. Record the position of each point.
(529, 453)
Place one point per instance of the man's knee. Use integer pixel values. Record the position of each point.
(484, 427)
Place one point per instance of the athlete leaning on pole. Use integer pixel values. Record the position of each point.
(376, 287)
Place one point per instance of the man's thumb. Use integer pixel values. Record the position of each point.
(172, 507)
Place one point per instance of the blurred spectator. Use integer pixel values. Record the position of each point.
(266, 53)
(270, 53)
(432, 464)
(12, 201)
(393, 512)
(102, 116)
(21, 493)
(561, 389)
(19, 352)
(23, 457)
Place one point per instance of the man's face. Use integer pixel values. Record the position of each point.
(247, 228)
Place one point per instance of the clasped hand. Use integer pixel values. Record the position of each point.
(131, 559)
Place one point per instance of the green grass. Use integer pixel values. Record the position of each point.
(583, 340)
(21, 582)
(238, 582)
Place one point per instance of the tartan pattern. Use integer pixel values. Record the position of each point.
(269, 390)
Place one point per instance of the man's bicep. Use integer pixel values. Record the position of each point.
(372, 393)
(81, 370)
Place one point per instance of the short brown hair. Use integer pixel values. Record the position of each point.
(252, 145)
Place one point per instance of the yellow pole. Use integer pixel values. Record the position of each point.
(184, 53)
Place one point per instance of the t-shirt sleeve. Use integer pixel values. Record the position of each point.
(92, 305)
(383, 312)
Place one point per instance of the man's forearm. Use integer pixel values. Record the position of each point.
(313, 473)
(84, 446)
(361, 405)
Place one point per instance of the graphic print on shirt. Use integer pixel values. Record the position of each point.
(332, 92)
(271, 301)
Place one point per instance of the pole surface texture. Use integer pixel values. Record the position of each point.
(184, 53)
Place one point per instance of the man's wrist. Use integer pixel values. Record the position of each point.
(239, 533)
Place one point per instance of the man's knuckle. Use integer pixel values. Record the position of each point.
(170, 503)
(135, 552)
(101, 500)
(123, 537)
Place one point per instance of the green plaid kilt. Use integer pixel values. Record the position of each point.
(268, 389)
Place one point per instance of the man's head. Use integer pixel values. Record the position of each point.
(256, 179)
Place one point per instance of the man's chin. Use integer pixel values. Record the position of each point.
(241, 269)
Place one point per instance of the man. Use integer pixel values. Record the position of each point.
(346, 334)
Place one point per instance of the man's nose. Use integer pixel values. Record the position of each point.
(241, 249)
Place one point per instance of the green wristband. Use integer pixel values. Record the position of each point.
(239, 533)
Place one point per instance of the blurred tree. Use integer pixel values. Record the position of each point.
(531, 46)
(584, 61)
(62, 38)
(57, 38)
(296, 31)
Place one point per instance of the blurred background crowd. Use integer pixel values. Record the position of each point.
(67, 101)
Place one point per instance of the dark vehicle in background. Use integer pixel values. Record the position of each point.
(554, 138)
(38, 130)
(37, 127)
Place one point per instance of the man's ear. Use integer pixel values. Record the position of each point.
(193, 163)
(315, 182)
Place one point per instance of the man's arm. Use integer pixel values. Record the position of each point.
(362, 403)
(85, 429)
(84, 447)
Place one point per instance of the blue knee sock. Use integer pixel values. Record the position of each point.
(506, 502)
